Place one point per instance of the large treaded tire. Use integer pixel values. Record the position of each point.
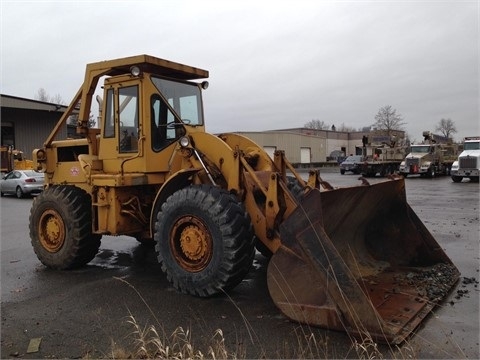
(61, 228)
(204, 240)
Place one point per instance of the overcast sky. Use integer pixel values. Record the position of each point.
(272, 66)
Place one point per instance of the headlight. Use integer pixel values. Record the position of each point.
(41, 155)
(134, 70)
(184, 141)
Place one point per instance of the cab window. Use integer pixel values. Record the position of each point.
(184, 98)
(128, 118)
(109, 128)
(164, 127)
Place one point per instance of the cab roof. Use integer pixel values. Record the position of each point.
(147, 63)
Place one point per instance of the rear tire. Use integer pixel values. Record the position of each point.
(61, 228)
(204, 240)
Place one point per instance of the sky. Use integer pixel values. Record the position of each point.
(273, 65)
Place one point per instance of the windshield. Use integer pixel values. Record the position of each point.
(352, 159)
(184, 98)
(421, 149)
(471, 146)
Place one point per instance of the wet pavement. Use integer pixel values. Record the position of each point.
(86, 312)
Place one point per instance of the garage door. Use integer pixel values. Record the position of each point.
(305, 155)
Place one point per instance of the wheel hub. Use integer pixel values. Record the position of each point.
(191, 244)
(52, 231)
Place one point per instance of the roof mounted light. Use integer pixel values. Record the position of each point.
(205, 85)
(184, 141)
(134, 70)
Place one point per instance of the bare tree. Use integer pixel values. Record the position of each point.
(57, 99)
(388, 119)
(73, 120)
(316, 124)
(446, 127)
(42, 95)
(345, 128)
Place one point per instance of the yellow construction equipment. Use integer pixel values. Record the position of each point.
(13, 159)
(356, 259)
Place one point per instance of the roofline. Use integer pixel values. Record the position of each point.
(2, 104)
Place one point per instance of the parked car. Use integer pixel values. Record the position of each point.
(21, 183)
(351, 164)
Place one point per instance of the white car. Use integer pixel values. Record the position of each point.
(21, 183)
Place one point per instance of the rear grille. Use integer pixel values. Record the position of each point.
(468, 162)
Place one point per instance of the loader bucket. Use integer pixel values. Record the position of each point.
(358, 259)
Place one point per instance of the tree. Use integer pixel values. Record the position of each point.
(73, 120)
(388, 119)
(316, 124)
(42, 95)
(446, 127)
(345, 128)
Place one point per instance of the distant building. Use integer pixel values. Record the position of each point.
(305, 146)
(27, 123)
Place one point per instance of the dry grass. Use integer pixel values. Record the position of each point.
(152, 343)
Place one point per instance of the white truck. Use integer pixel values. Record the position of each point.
(468, 163)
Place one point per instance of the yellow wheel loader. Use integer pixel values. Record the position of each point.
(355, 259)
(12, 159)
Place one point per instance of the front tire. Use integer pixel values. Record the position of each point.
(457, 179)
(61, 228)
(204, 240)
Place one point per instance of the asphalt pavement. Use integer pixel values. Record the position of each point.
(87, 313)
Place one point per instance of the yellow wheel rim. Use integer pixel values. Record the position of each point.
(191, 244)
(52, 231)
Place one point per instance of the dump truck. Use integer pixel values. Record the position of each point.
(430, 158)
(381, 154)
(468, 163)
(207, 202)
(13, 159)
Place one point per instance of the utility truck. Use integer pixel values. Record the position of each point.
(381, 154)
(433, 157)
(207, 202)
(468, 163)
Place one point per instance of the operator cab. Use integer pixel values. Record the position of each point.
(145, 113)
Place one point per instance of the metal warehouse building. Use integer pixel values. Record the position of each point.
(27, 123)
(305, 146)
